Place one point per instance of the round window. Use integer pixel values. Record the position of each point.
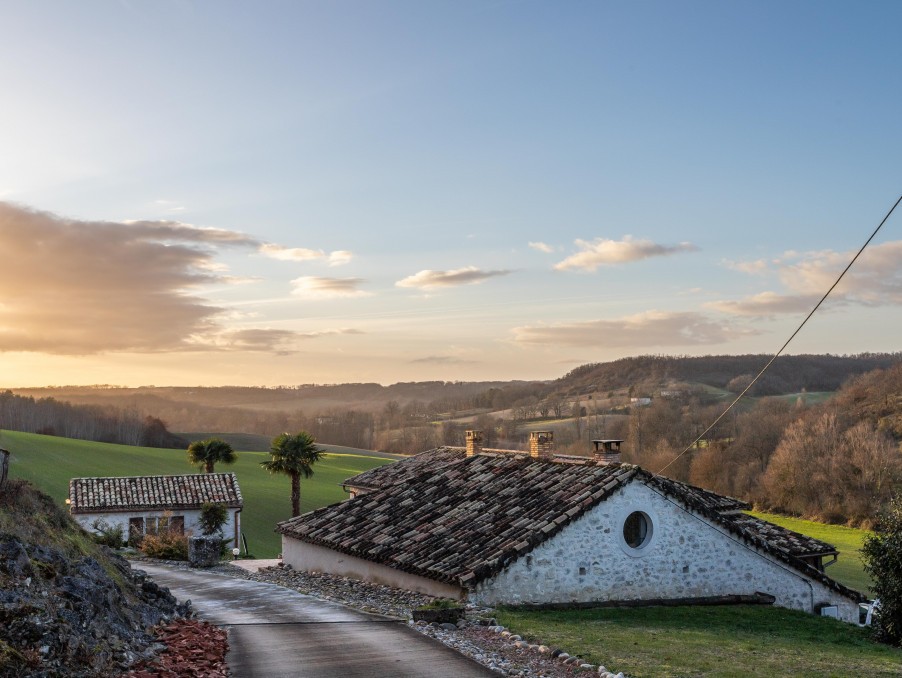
(636, 530)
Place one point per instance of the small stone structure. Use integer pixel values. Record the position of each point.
(204, 551)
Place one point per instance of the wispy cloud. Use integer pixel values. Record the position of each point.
(653, 328)
(336, 258)
(766, 304)
(169, 206)
(443, 360)
(313, 287)
(601, 252)
(874, 280)
(541, 247)
(469, 275)
(757, 267)
(280, 342)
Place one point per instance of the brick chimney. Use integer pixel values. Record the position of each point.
(474, 443)
(607, 451)
(541, 444)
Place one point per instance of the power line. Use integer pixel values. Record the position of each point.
(783, 347)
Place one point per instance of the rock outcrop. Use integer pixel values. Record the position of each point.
(67, 606)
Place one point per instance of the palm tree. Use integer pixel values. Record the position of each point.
(294, 455)
(206, 453)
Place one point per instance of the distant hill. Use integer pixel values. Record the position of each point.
(320, 408)
(311, 397)
(788, 374)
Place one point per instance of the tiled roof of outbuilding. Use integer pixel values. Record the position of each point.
(136, 493)
(405, 469)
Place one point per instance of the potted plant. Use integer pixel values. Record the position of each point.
(439, 611)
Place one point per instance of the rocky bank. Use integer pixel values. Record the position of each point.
(69, 607)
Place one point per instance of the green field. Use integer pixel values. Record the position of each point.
(49, 462)
(847, 540)
(716, 642)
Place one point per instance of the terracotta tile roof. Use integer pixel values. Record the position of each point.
(695, 497)
(793, 543)
(460, 520)
(135, 493)
(405, 469)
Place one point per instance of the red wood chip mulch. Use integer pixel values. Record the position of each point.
(194, 649)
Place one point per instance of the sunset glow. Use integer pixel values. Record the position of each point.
(226, 193)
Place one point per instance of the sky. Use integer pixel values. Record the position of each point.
(279, 193)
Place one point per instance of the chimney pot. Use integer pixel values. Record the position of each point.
(607, 451)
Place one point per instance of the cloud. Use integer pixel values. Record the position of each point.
(541, 247)
(82, 287)
(766, 304)
(874, 280)
(340, 257)
(653, 328)
(280, 342)
(602, 252)
(756, 267)
(313, 287)
(336, 258)
(72, 287)
(443, 360)
(469, 275)
(272, 341)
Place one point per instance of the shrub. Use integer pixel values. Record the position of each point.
(440, 604)
(167, 545)
(882, 555)
(106, 534)
(212, 518)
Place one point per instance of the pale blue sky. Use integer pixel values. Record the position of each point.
(483, 189)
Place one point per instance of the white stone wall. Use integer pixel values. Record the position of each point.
(312, 558)
(685, 557)
(229, 531)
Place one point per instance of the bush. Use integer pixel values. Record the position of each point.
(166, 545)
(106, 534)
(882, 555)
(212, 518)
(440, 604)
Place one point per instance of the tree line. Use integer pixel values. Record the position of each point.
(106, 424)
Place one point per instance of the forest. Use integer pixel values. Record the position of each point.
(105, 424)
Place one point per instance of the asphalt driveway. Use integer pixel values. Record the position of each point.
(275, 632)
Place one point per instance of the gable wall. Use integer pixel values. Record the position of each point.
(686, 557)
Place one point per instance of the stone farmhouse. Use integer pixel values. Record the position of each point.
(148, 504)
(502, 527)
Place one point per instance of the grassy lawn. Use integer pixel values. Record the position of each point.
(49, 462)
(721, 642)
(847, 570)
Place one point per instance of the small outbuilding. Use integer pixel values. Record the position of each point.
(149, 504)
(503, 527)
